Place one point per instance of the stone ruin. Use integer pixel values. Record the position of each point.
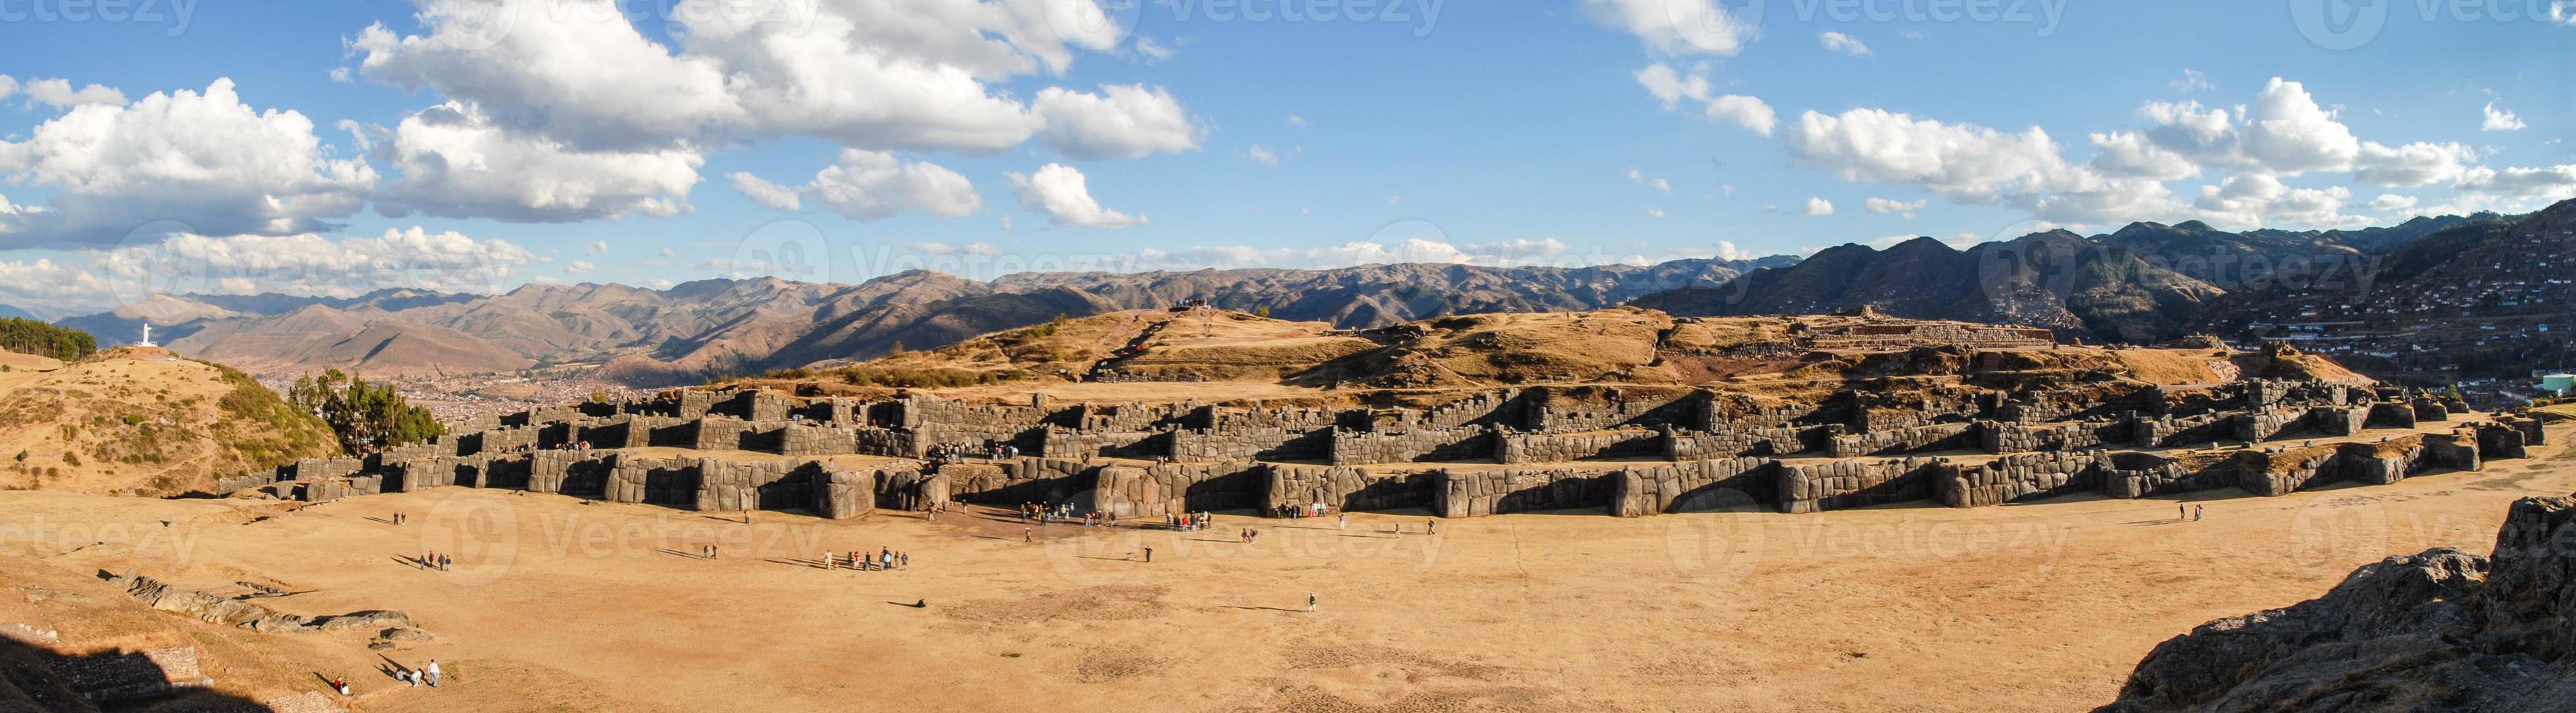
(1503, 451)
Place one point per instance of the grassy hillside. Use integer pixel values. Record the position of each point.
(139, 422)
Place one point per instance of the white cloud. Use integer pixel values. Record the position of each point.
(1657, 183)
(1675, 27)
(764, 193)
(2284, 132)
(1296, 121)
(205, 160)
(1669, 86)
(2413, 164)
(1886, 205)
(2254, 200)
(1121, 122)
(2500, 119)
(1261, 155)
(59, 93)
(1963, 162)
(1654, 212)
(588, 79)
(1819, 206)
(2128, 154)
(302, 264)
(1148, 47)
(1744, 111)
(595, 248)
(919, 75)
(2392, 201)
(1846, 44)
(867, 185)
(2192, 81)
(2547, 181)
(1060, 193)
(579, 267)
(455, 162)
(2287, 133)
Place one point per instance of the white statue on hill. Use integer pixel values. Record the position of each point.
(147, 336)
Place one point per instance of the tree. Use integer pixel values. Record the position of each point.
(362, 414)
(27, 336)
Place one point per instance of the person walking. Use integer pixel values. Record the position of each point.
(432, 670)
(827, 560)
(1345, 522)
(2197, 511)
(1028, 535)
(2182, 512)
(1149, 554)
(1310, 609)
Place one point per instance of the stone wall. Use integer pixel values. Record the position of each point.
(1162, 489)
(1345, 488)
(1911, 439)
(1558, 412)
(2009, 437)
(1498, 491)
(1695, 486)
(1696, 445)
(1838, 485)
(1560, 447)
(1252, 443)
(2015, 478)
(1367, 447)
(844, 494)
(2173, 431)
(1056, 442)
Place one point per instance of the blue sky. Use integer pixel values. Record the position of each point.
(604, 146)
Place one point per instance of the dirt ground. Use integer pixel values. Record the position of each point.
(558, 605)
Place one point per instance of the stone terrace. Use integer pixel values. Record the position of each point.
(1503, 451)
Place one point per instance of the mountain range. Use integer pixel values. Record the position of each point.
(2144, 282)
(722, 326)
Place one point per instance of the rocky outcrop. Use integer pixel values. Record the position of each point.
(228, 611)
(2443, 630)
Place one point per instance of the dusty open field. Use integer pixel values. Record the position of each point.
(559, 605)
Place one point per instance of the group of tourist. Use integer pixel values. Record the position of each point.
(436, 561)
(886, 559)
(1045, 514)
(1188, 521)
(1298, 511)
(414, 676)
